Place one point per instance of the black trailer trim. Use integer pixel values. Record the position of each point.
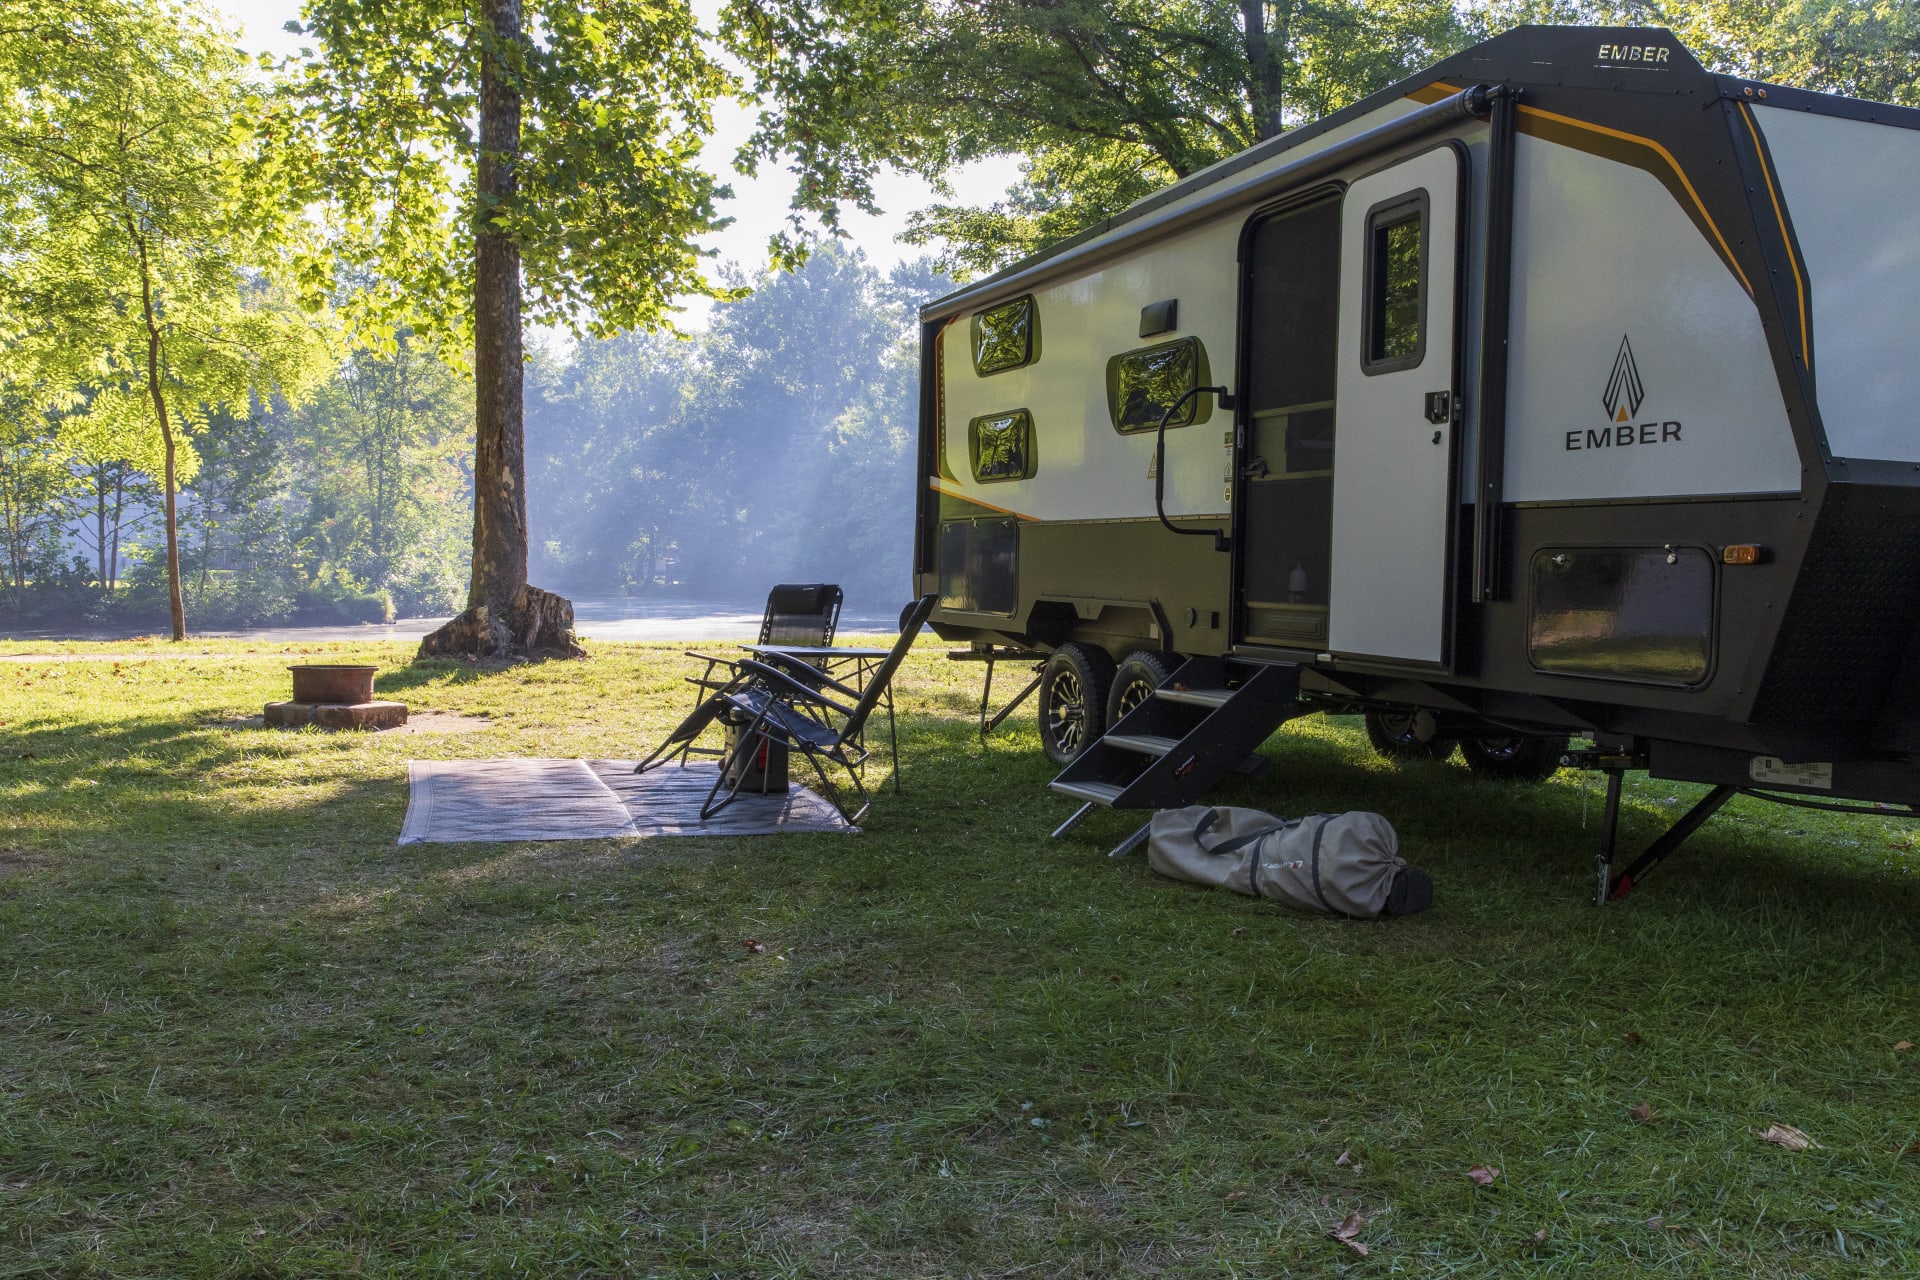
(1800, 286)
(1814, 102)
(1496, 327)
(1674, 500)
(1634, 150)
(1642, 153)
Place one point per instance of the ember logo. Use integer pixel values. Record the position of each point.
(1645, 54)
(1625, 391)
(1624, 395)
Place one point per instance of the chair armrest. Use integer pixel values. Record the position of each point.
(805, 672)
(781, 682)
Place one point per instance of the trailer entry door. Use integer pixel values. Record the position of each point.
(1398, 389)
(1285, 498)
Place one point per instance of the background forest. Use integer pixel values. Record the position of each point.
(319, 433)
(774, 442)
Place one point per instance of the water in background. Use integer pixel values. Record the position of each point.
(603, 619)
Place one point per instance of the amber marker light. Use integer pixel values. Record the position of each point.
(1743, 553)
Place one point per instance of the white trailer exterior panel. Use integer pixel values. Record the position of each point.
(1862, 257)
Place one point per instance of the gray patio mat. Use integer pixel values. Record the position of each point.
(457, 801)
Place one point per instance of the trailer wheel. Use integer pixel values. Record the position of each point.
(1406, 735)
(1514, 759)
(1135, 681)
(1073, 700)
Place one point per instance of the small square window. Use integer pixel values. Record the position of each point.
(1001, 445)
(1396, 284)
(1006, 337)
(1142, 384)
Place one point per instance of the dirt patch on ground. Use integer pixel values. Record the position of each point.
(131, 658)
(440, 722)
(17, 862)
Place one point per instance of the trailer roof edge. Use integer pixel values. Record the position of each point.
(1504, 58)
(1784, 97)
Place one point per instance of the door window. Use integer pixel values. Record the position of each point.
(1396, 286)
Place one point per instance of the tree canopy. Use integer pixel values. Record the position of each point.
(511, 159)
(141, 240)
(1108, 100)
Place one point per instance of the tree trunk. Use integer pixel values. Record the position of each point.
(1265, 68)
(119, 515)
(176, 605)
(504, 615)
(100, 527)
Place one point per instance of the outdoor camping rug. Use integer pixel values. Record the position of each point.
(458, 801)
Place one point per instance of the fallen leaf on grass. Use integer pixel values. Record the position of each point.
(1642, 1114)
(753, 944)
(1346, 1157)
(1484, 1174)
(1633, 1037)
(1903, 1046)
(1785, 1135)
(1234, 1195)
(1911, 1149)
(1540, 1236)
(1349, 1227)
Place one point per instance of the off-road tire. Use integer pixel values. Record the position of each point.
(1134, 682)
(1394, 735)
(1515, 758)
(1073, 700)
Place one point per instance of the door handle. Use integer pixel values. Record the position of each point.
(1439, 407)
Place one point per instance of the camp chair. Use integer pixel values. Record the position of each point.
(798, 613)
(799, 708)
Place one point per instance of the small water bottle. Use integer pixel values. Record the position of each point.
(1297, 584)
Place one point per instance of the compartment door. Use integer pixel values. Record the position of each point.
(1399, 394)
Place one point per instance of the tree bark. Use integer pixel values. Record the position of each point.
(504, 615)
(100, 526)
(176, 605)
(1266, 84)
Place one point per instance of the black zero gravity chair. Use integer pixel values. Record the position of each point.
(798, 613)
(775, 701)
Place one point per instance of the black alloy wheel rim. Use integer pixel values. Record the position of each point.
(1067, 711)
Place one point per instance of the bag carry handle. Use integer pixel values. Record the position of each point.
(1237, 843)
(1211, 816)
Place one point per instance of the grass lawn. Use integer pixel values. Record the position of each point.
(244, 1034)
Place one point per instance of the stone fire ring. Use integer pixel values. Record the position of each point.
(335, 696)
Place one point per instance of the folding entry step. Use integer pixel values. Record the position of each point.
(1175, 746)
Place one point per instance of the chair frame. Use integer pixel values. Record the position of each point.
(787, 701)
(770, 621)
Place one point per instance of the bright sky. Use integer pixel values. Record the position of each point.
(759, 205)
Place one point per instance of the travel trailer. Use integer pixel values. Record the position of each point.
(1565, 390)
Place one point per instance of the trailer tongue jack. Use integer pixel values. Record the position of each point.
(1611, 887)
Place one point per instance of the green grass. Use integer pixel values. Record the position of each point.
(244, 1034)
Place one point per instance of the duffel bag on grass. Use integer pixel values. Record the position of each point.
(1338, 864)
